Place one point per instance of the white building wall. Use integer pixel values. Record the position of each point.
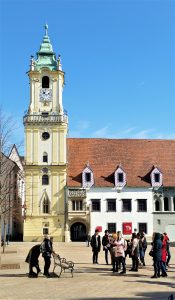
(103, 217)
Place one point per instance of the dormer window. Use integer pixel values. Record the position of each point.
(156, 177)
(45, 82)
(87, 177)
(120, 177)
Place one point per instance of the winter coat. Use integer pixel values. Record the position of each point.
(135, 247)
(157, 247)
(32, 257)
(120, 247)
(105, 242)
(96, 246)
(46, 248)
(164, 250)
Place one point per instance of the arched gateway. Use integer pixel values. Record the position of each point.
(78, 232)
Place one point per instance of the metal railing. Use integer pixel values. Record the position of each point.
(45, 118)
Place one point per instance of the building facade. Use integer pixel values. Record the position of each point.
(12, 195)
(122, 185)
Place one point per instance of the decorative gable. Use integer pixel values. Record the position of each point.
(120, 177)
(156, 177)
(87, 177)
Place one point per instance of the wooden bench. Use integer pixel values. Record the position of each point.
(63, 264)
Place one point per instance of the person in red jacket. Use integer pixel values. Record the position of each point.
(164, 256)
(167, 248)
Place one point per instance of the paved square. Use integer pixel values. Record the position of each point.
(89, 281)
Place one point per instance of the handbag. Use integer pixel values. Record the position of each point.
(151, 253)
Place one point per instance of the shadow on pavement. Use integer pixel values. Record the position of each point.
(145, 296)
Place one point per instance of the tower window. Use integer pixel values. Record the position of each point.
(45, 82)
(46, 206)
(45, 135)
(45, 157)
(45, 179)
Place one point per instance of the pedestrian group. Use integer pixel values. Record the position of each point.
(117, 248)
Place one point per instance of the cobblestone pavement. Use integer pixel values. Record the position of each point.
(89, 281)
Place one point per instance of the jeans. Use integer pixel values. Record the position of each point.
(135, 263)
(118, 260)
(95, 256)
(106, 254)
(163, 267)
(157, 266)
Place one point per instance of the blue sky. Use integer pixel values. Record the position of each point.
(119, 59)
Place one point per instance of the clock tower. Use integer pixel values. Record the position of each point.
(45, 142)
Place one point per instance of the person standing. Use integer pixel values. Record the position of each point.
(106, 245)
(135, 253)
(167, 248)
(96, 246)
(164, 256)
(46, 250)
(157, 254)
(119, 252)
(32, 260)
(144, 247)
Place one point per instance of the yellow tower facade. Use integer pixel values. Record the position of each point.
(46, 126)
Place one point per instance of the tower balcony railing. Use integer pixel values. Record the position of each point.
(45, 118)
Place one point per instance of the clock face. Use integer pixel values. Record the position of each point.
(45, 94)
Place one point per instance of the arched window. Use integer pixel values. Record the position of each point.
(157, 205)
(166, 204)
(46, 206)
(45, 157)
(45, 82)
(45, 179)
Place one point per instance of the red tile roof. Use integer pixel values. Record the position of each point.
(137, 158)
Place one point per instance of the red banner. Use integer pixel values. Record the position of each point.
(127, 228)
(99, 228)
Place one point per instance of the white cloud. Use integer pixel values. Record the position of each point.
(102, 132)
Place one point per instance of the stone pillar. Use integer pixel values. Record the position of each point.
(162, 203)
(171, 204)
(67, 234)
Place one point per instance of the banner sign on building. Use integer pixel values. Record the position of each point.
(127, 228)
(99, 228)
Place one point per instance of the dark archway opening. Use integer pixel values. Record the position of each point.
(78, 232)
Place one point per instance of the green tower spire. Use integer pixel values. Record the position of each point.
(45, 56)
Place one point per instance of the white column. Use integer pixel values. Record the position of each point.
(171, 204)
(162, 202)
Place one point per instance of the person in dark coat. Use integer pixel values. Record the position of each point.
(157, 254)
(96, 245)
(32, 260)
(106, 245)
(135, 252)
(46, 249)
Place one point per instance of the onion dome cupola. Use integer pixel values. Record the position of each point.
(46, 58)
